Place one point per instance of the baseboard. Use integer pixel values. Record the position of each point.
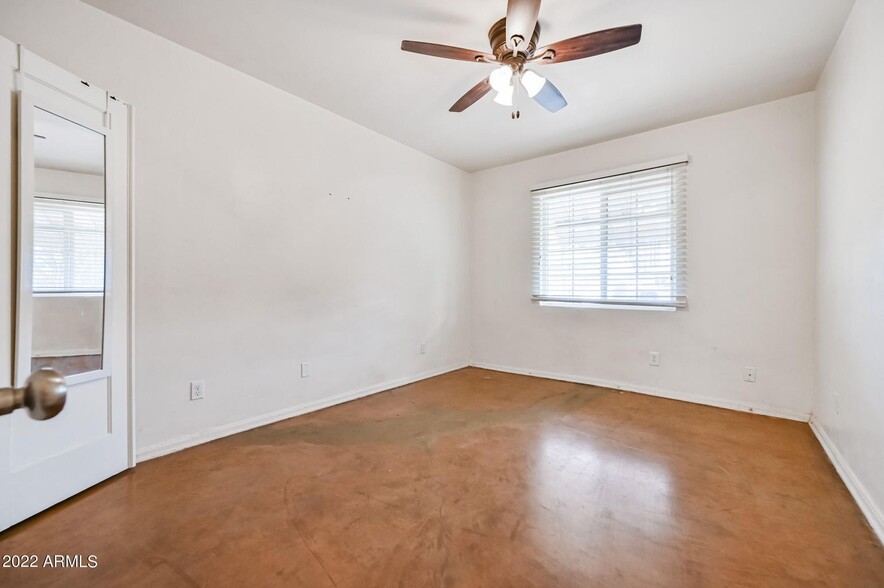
(762, 409)
(868, 507)
(67, 352)
(191, 440)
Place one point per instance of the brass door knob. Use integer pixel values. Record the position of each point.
(43, 395)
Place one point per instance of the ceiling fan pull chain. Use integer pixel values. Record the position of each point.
(517, 81)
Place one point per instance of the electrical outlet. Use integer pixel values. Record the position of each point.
(305, 370)
(655, 358)
(197, 390)
(423, 348)
(749, 374)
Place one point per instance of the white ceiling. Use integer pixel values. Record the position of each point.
(696, 58)
(64, 145)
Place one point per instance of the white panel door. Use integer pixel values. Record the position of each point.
(67, 217)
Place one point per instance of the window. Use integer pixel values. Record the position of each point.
(68, 246)
(618, 239)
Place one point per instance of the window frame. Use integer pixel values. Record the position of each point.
(553, 301)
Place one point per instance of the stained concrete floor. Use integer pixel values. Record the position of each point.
(473, 478)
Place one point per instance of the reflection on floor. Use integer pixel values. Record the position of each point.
(68, 365)
(474, 478)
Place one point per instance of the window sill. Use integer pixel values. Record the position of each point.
(607, 306)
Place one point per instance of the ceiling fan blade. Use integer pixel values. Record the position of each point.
(550, 98)
(446, 51)
(472, 96)
(590, 44)
(521, 18)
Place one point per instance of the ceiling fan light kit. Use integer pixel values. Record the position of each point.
(514, 45)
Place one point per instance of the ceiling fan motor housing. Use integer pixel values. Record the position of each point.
(504, 54)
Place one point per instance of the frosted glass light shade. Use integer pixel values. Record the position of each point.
(501, 78)
(532, 82)
(505, 97)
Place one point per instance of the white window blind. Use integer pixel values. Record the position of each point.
(619, 239)
(68, 246)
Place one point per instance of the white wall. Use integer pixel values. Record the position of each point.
(750, 268)
(86, 187)
(268, 231)
(67, 325)
(850, 405)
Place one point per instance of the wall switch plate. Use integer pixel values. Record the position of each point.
(655, 358)
(749, 374)
(423, 348)
(305, 370)
(197, 390)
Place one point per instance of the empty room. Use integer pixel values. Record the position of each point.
(571, 293)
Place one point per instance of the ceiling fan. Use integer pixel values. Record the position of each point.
(514, 45)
